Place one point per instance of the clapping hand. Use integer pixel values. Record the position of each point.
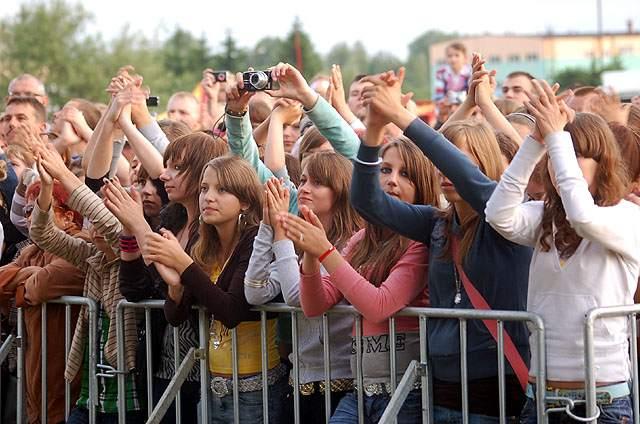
(307, 234)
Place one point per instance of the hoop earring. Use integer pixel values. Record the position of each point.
(242, 220)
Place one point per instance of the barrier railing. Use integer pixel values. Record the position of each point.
(630, 311)
(417, 369)
(19, 341)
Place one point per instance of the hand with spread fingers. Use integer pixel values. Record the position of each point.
(164, 248)
(551, 114)
(384, 97)
(307, 234)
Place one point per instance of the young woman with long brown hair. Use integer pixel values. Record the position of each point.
(324, 189)
(587, 250)
(380, 272)
(469, 160)
(213, 276)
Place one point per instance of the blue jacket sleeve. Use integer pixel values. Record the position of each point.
(335, 129)
(470, 183)
(241, 143)
(412, 221)
(8, 186)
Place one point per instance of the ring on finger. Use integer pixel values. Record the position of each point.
(301, 237)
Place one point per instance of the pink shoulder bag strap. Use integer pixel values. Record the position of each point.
(477, 300)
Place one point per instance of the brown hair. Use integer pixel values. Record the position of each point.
(294, 169)
(333, 170)
(481, 142)
(508, 147)
(312, 139)
(456, 45)
(522, 118)
(89, 110)
(593, 139)
(174, 129)
(634, 117)
(191, 153)
(240, 179)
(380, 249)
(39, 110)
(527, 75)
(628, 139)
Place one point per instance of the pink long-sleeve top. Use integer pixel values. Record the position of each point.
(406, 285)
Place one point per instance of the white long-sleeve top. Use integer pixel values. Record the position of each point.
(602, 272)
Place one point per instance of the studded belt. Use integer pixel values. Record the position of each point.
(223, 386)
(383, 388)
(337, 385)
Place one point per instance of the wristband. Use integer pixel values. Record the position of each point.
(327, 253)
(234, 113)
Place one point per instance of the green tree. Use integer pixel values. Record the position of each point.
(297, 45)
(575, 77)
(383, 61)
(184, 57)
(267, 52)
(49, 41)
(232, 57)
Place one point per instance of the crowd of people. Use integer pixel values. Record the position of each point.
(313, 195)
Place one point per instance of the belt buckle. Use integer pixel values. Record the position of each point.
(219, 386)
(307, 389)
(603, 398)
(371, 389)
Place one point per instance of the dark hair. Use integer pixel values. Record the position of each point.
(359, 77)
(520, 74)
(38, 108)
(192, 151)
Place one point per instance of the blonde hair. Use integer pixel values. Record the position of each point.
(480, 141)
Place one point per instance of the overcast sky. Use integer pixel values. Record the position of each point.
(389, 28)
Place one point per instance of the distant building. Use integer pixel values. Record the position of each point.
(545, 55)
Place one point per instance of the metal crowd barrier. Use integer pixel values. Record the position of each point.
(419, 369)
(630, 311)
(18, 340)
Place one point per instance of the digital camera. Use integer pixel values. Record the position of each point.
(219, 76)
(259, 81)
(153, 101)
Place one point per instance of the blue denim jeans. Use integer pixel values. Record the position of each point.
(619, 411)
(80, 415)
(250, 403)
(452, 416)
(374, 406)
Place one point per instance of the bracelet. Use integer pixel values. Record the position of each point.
(327, 253)
(234, 113)
(361, 162)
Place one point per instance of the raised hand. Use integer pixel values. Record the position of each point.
(550, 113)
(210, 86)
(52, 163)
(237, 97)
(292, 85)
(288, 111)
(383, 97)
(127, 207)
(307, 234)
(277, 199)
